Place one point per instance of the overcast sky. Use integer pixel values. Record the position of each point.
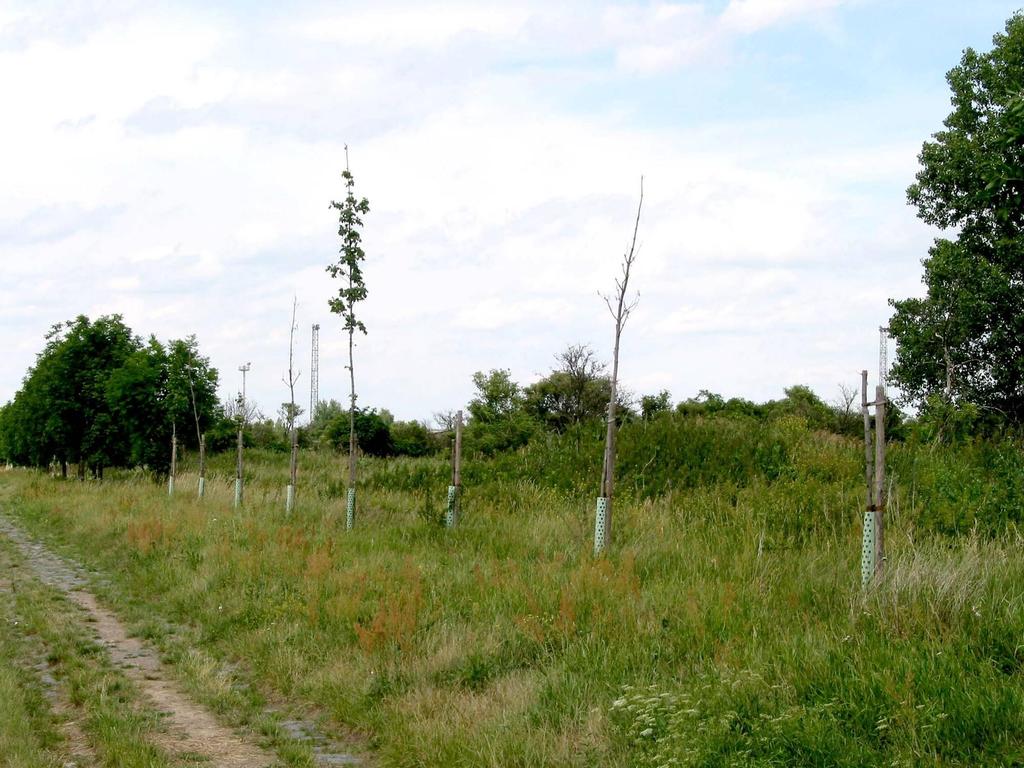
(175, 164)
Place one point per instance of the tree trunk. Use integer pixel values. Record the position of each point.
(293, 435)
(351, 413)
(620, 314)
(174, 459)
(202, 466)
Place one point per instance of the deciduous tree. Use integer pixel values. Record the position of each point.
(964, 341)
(348, 269)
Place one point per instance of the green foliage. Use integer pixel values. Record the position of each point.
(969, 485)
(348, 268)
(497, 396)
(372, 433)
(349, 271)
(943, 421)
(267, 434)
(325, 412)
(575, 392)
(728, 619)
(963, 339)
(498, 420)
(654, 405)
(558, 401)
(411, 438)
(98, 397)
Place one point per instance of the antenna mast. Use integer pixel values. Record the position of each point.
(314, 373)
(883, 356)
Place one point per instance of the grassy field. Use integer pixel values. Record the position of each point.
(726, 626)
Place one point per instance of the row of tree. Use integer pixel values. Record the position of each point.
(99, 396)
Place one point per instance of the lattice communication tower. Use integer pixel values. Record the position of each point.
(314, 373)
(883, 355)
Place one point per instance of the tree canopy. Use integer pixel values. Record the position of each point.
(99, 397)
(576, 391)
(964, 341)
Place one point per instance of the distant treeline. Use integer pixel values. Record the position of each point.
(99, 396)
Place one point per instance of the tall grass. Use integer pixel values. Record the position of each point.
(726, 626)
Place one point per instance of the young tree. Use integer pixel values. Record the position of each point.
(620, 310)
(200, 437)
(292, 413)
(964, 341)
(190, 391)
(349, 271)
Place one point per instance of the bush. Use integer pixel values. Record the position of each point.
(372, 433)
(410, 438)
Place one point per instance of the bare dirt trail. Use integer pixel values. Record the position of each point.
(191, 728)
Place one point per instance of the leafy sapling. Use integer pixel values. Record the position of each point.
(348, 270)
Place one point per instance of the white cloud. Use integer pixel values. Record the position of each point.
(412, 26)
(165, 170)
(746, 16)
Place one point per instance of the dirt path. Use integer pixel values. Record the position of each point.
(191, 729)
(77, 752)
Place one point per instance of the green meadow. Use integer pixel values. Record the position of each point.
(726, 624)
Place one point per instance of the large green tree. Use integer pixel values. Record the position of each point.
(964, 341)
(98, 397)
(159, 389)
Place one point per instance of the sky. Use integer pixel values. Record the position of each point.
(176, 163)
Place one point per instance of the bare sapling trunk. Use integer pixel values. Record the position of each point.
(455, 489)
(238, 466)
(620, 309)
(350, 506)
(351, 411)
(243, 369)
(200, 438)
(293, 433)
(174, 459)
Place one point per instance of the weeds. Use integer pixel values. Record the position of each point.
(735, 595)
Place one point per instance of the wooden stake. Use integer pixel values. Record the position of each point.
(869, 469)
(880, 500)
(457, 458)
